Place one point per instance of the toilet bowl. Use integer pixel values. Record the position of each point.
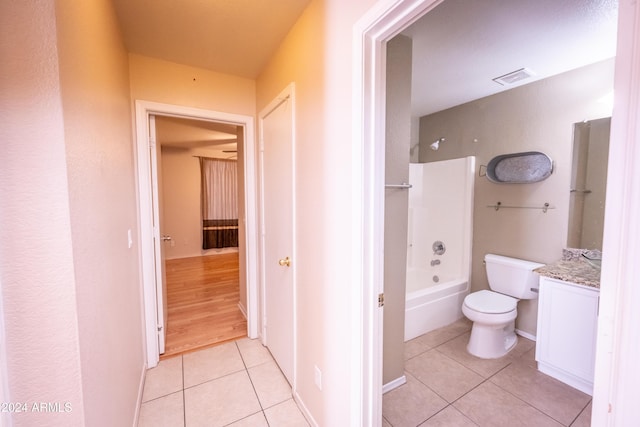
(493, 312)
(493, 316)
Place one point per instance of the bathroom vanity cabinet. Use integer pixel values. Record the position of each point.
(566, 337)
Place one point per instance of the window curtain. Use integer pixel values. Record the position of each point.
(219, 202)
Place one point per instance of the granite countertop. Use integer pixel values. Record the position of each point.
(572, 269)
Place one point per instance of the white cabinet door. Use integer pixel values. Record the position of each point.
(567, 326)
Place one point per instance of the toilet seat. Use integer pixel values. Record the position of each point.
(490, 302)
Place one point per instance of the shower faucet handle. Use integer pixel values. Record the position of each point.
(435, 262)
(438, 247)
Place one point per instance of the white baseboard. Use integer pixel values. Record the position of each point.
(526, 335)
(394, 384)
(136, 415)
(304, 410)
(242, 309)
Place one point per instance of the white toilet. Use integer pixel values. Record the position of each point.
(494, 312)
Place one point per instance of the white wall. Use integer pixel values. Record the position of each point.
(317, 56)
(535, 117)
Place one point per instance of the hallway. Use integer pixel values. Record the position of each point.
(232, 384)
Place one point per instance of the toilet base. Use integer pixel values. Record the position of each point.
(492, 341)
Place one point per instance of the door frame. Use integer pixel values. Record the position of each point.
(619, 297)
(143, 109)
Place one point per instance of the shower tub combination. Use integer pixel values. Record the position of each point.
(439, 243)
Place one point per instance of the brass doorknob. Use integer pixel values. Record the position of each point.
(286, 261)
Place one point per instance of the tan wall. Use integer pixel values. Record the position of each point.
(180, 175)
(317, 56)
(535, 117)
(36, 254)
(398, 138)
(177, 84)
(94, 76)
(70, 283)
(181, 203)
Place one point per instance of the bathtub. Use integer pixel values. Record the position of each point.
(433, 307)
(440, 217)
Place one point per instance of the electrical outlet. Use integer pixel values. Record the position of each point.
(317, 376)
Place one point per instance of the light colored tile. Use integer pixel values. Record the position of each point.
(285, 414)
(211, 363)
(584, 419)
(456, 349)
(270, 384)
(448, 417)
(489, 405)
(410, 404)
(253, 352)
(255, 420)
(434, 338)
(385, 423)
(221, 401)
(166, 411)
(556, 399)
(443, 375)
(164, 379)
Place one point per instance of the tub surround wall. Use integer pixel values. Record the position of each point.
(535, 117)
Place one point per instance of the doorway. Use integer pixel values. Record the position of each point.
(201, 262)
(372, 33)
(146, 160)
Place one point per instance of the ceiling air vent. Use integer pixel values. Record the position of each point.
(514, 77)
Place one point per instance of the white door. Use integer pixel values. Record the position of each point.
(278, 260)
(158, 239)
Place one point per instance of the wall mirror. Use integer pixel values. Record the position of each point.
(588, 183)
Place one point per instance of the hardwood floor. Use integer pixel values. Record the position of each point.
(202, 298)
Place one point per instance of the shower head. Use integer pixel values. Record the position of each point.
(436, 144)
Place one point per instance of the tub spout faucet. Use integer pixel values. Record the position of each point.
(435, 262)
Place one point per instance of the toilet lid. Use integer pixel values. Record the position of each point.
(490, 302)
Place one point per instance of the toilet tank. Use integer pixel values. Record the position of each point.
(512, 276)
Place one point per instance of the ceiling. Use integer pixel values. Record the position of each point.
(458, 48)
(228, 36)
(183, 133)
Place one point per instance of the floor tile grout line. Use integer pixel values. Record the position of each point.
(581, 411)
(253, 386)
(531, 404)
(528, 404)
(436, 346)
(484, 380)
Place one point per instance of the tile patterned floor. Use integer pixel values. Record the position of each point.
(446, 386)
(238, 384)
(234, 384)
